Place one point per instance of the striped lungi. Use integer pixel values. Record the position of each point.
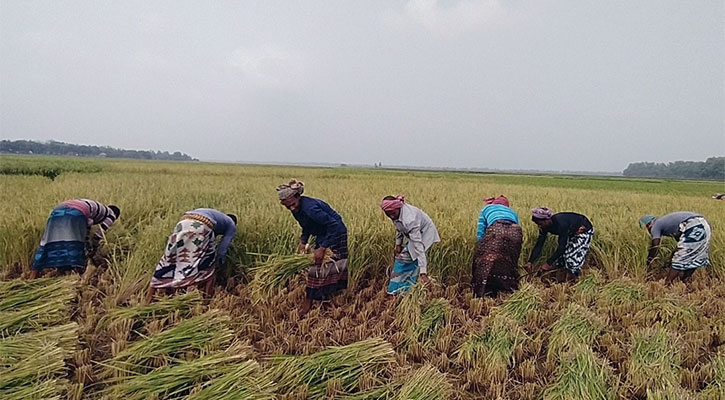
(324, 280)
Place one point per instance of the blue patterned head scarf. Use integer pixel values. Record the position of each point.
(646, 219)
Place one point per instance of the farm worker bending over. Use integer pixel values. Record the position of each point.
(693, 233)
(413, 224)
(575, 235)
(190, 256)
(318, 219)
(496, 259)
(65, 243)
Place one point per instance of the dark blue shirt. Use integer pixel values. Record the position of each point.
(318, 219)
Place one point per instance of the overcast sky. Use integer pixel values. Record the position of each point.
(556, 85)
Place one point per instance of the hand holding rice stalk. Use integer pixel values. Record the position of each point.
(277, 271)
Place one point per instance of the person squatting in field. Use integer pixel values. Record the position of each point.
(575, 236)
(65, 244)
(496, 259)
(318, 219)
(190, 257)
(693, 235)
(415, 227)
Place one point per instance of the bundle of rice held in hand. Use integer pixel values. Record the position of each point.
(277, 271)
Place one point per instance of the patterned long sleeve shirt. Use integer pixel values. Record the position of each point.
(97, 214)
(223, 225)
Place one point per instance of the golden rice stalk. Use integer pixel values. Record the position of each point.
(582, 376)
(578, 326)
(194, 335)
(276, 272)
(409, 309)
(343, 363)
(243, 382)
(587, 288)
(48, 389)
(521, 303)
(432, 318)
(655, 361)
(43, 362)
(622, 292)
(427, 383)
(16, 348)
(162, 308)
(671, 311)
(715, 386)
(20, 294)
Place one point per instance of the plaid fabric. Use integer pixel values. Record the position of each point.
(323, 281)
(495, 263)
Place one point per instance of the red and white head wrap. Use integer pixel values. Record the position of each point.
(502, 200)
(393, 204)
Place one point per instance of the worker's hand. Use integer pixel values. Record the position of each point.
(581, 230)
(319, 255)
(546, 267)
(302, 248)
(528, 267)
(398, 249)
(424, 278)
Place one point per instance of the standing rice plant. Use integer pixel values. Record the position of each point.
(654, 362)
(174, 380)
(144, 312)
(194, 335)
(427, 383)
(276, 273)
(671, 311)
(487, 355)
(521, 303)
(578, 326)
(345, 364)
(582, 376)
(245, 381)
(715, 384)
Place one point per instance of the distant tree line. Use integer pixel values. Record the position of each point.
(80, 150)
(712, 168)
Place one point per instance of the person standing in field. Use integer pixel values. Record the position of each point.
(65, 244)
(190, 257)
(693, 234)
(414, 226)
(496, 258)
(575, 236)
(318, 219)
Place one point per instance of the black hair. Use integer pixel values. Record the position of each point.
(233, 217)
(538, 219)
(116, 210)
(389, 198)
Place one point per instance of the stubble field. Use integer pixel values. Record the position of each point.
(619, 332)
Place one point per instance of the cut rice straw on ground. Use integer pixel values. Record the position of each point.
(427, 383)
(246, 381)
(409, 309)
(673, 312)
(581, 376)
(433, 317)
(578, 326)
(23, 346)
(345, 364)
(715, 385)
(523, 301)
(162, 308)
(654, 361)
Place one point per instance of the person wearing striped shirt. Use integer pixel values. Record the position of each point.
(66, 244)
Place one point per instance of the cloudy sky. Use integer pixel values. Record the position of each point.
(556, 85)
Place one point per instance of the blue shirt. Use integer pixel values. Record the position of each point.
(492, 213)
(318, 219)
(223, 225)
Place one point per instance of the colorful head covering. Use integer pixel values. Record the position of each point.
(393, 204)
(502, 200)
(294, 187)
(646, 219)
(542, 213)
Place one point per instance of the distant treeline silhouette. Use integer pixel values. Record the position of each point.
(80, 150)
(712, 168)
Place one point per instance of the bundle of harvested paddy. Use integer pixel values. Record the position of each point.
(578, 326)
(173, 380)
(205, 332)
(276, 273)
(49, 389)
(582, 376)
(715, 384)
(523, 301)
(621, 293)
(345, 364)
(673, 312)
(488, 354)
(432, 318)
(671, 393)
(42, 363)
(19, 347)
(654, 361)
(587, 288)
(427, 383)
(409, 309)
(29, 306)
(162, 308)
(243, 382)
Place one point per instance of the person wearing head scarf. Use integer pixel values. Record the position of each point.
(318, 220)
(415, 233)
(693, 234)
(575, 233)
(66, 243)
(496, 258)
(191, 256)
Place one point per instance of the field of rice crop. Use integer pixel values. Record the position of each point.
(617, 333)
